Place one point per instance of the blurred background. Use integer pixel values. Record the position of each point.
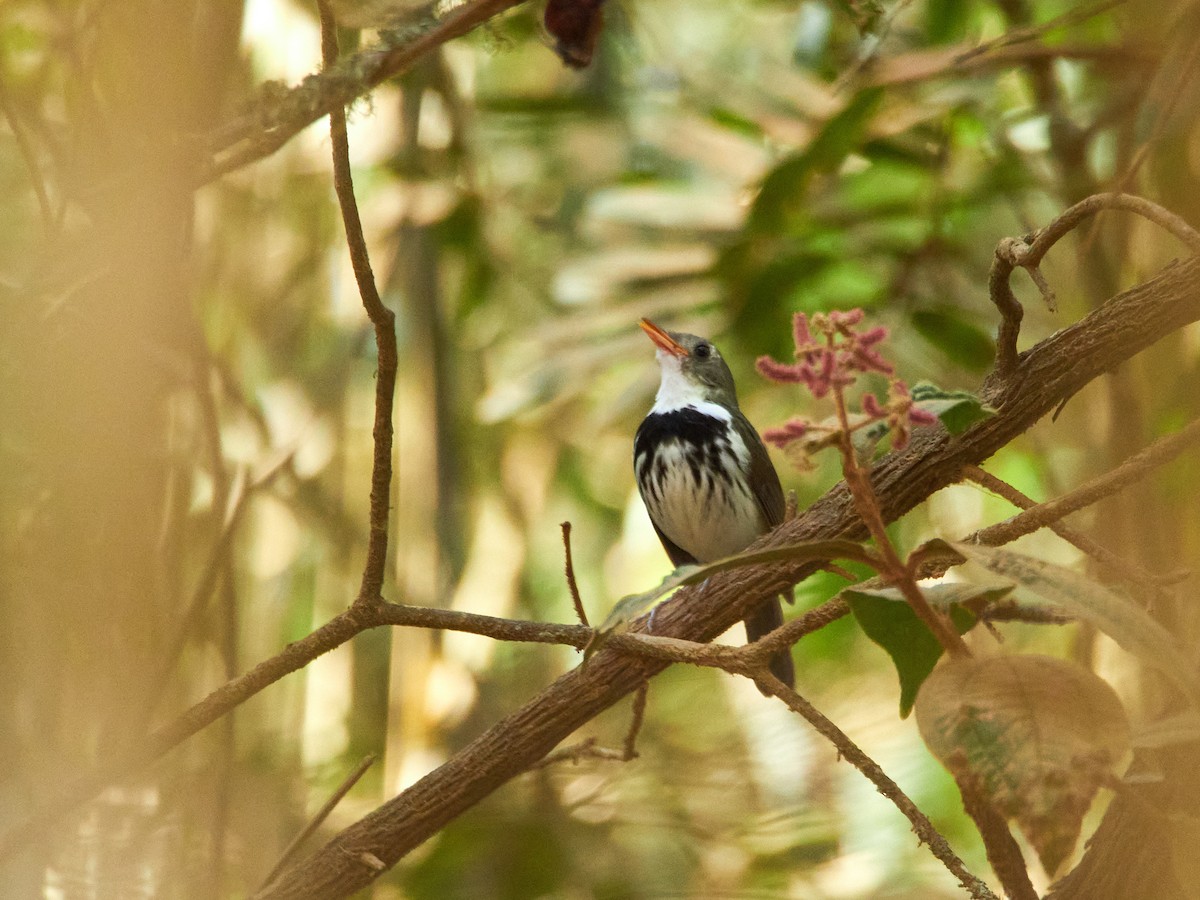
(186, 389)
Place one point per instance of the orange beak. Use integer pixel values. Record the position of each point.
(663, 340)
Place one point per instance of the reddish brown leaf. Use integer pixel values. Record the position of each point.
(576, 26)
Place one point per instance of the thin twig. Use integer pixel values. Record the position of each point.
(239, 495)
(589, 748)
(853, 754)
(1165, 110)
(635, 722)
(1127, 570)
(1062, 225)
(382, 318)
(955, 62)
(1136, 467)
(321, 815)
(1022, 35)
(569, 566)
(474, 623)
(786, 635)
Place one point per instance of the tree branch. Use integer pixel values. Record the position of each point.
(337, 631)
(1036, 383)
(1050, 515)
(1003, 852)
(569, 572)
(1027, 253)
(853, 754)
(322, 814)
(384, 322)
(264, 130)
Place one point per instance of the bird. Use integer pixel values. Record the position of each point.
(702, 470)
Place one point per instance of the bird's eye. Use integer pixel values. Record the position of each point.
(703, 351)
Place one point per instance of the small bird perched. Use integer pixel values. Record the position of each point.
(703, 471)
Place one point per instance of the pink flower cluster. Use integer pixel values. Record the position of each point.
(831, 358)
(901, 415)
(830, 355)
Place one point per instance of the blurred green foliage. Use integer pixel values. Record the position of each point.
(720, 165)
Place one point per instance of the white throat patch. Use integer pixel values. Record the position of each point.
(677, 392)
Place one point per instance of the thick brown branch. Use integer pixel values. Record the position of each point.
(1040, 379)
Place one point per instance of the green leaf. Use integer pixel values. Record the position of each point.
(771, 288)
(1114, 614)
(784, 188)
(630, 607)
(1037, 735)
(958, 410)
(946, 20)
(730, 118)
(889, 188)
(841, 285)
(888, 620)
(962, 341)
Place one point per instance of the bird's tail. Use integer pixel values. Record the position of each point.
(766, 619)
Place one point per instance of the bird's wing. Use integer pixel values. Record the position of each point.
(763, 477)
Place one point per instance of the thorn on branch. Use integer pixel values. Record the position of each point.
(371, 861)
